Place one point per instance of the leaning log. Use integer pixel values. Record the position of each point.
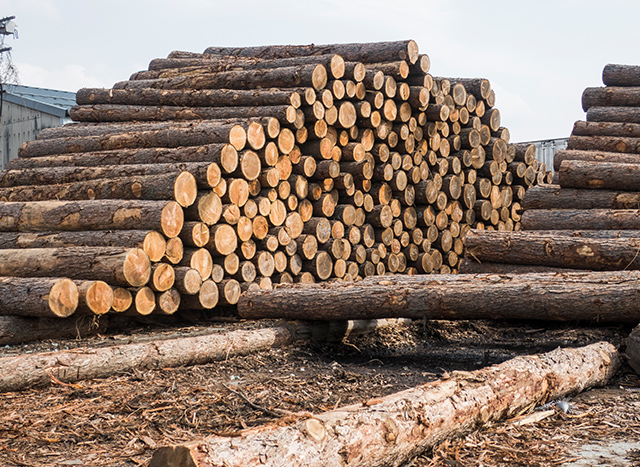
(556, 197)
(599, 175)
(20, 330)
(549, 249)
(597, 296)
(581, 219)
(396, 428)
(38, 297)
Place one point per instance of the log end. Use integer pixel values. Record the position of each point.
(185, 189)
(172, 219)
(136, 267)
(63, 298)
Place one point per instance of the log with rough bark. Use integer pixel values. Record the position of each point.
(599, 175)
(614, 114)
(621, 75)
(610, 97)
(469, 265)
(549, 249)
(394, 429)
(605, 143)
(581, 219)
(596, 296)
(20, 330)
(633, 349)
(556, 197)
(594, 156)
(115, 266)
(44, 297)
(164, 216)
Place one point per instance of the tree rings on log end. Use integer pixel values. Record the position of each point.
(145, 301)
(319, 77)
(185, 189)
(122, 300)
(137, 267)
(229, 158)
(238, 137)
(208, 295)
(168, 302)
(97, 296)
(175, 250)
(63, 298)
(154, 245)
(255, 136)
(172, 219)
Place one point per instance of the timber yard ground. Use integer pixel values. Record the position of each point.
(121, 420)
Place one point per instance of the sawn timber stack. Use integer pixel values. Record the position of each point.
(242, 168)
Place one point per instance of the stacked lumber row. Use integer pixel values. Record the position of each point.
(260, 165)
(590, 219)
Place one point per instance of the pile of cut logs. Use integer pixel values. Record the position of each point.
(590, 218)
(209, 174)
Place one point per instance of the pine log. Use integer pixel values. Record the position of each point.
(116, 266)
(610, 97)
(195, 134)
(556, 197)
(599, 175)
(598, 296)
(20, 330)
(579, 219)
(605, 143)
(621, 75)
(371, 52)
(548, 249)
(95, 297)
(181, 187)
(190, 98)
(122, 299)
(224, 155)
(594, 156)
(164, 216)
(38, 297)
(393, 429)
(471, 266)
(614, 114)
(314, 75)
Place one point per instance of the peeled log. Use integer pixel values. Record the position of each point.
(164, 216)
(394, 429)
(594, 296)
(41, 297)
(581, 219)
(599, 175)
(116, 266)
(548, 249)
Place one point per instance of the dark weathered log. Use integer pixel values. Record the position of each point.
(371, 52)
(164, 216)
(41, 297)
(472, 266)
(605, 143)
(614, 114)
(288, 77)
(610, 97)
(581, 128)
(581, 219)
(392, 430)
(595, 156)
(556, 197)
(224, 155)
(549, 249)
(151, 113)
(599, 175)
(599, 296)
(20, 330)
(117, 266)
(196, 134)
(189, 98)
(621, 75)
(633, 349)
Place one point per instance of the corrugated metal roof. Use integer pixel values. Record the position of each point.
(50, 101)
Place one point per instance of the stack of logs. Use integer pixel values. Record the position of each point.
(212, 173)
(589, 219)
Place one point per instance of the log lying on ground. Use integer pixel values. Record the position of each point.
(550, 249)
(19, 330)
(594, 296)
(581, 219)
(33, 370)
(593, 156)
(633, 349)
(396, 428)
(599, 175)
(556, 197)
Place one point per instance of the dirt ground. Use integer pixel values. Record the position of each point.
(121, 420)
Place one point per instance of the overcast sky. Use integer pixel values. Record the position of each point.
(539, 55)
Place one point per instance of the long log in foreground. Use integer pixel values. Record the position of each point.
(549, 249)
(391, 430)
(593, 296)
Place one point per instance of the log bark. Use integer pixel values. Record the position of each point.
(395, 428)
(19, 330)
(164, 216)
(556, 197)
(116, 266)
(581, 128)
(579, 219)
(610, 97)
(597, 296)
(614, 114)
(372, 52)
(552, 250)
(314, 75)
(621, 75)
(594, 156)
(633, 349)
(472, 266)
(605, 143)
(599, 175)
(41, 297)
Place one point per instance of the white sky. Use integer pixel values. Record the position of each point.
(539, 55)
